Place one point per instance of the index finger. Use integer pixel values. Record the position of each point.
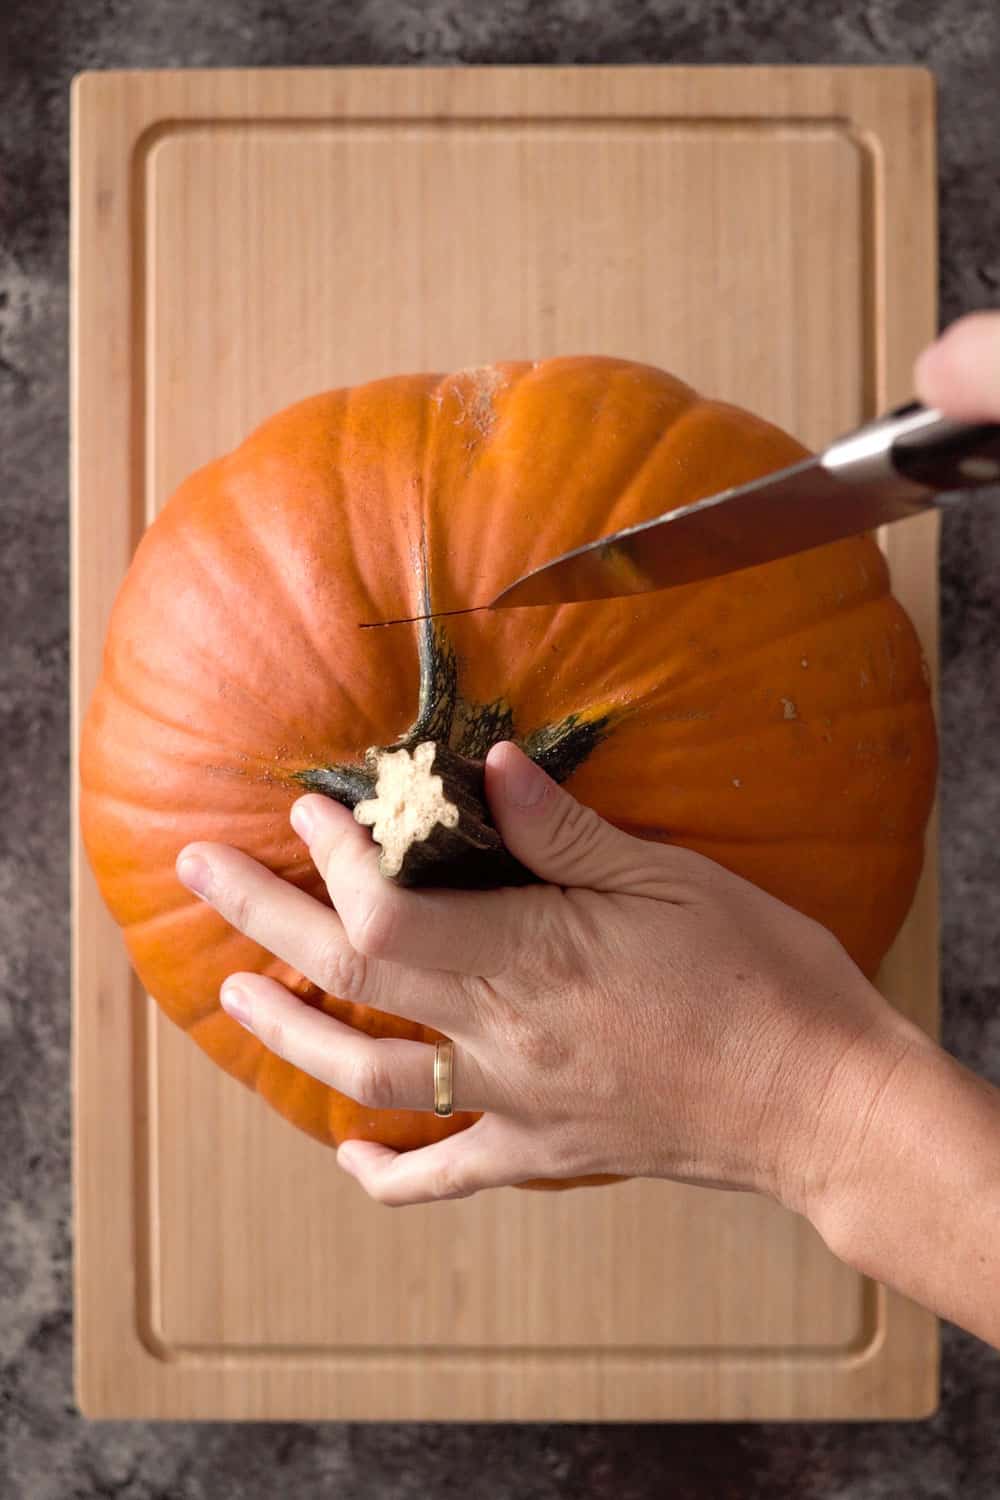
(460, 932)
(310, 937)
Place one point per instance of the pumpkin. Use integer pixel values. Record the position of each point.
(777, 720)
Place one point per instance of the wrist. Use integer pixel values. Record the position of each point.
(904, 1182)
(847, 1095)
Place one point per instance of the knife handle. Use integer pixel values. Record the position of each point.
(916, 447)
(947, 455)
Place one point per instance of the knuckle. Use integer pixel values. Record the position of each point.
(481, 1001)
(238, 909)
(607, 1088)
(539, 1050)
(371, 1082)
(448, 1181)
(391, 1195)
(575, 831)
(543, 1052)
(825, 944)
(383, 1193)
(273, 1034)
(562, 1156)
(545, 944)
(373, 931)
(688, 864)
(341, 970)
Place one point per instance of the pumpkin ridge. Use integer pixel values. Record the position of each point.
(690, 600)
(346, 511)
(114, 686)
(804, 840)
(135, 803)
(561, 498)
(280, 584)
(132, 705)
(698, 674)
(707, 673)
(773, 726)
(646, 458)
(215, 665)
(438, 482)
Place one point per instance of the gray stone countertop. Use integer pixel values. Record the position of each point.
(47, 1452)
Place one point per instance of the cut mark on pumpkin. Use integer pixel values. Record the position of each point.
(427, 615)
(790, 711)
(437, 614)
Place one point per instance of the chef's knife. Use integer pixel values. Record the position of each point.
(909, 461)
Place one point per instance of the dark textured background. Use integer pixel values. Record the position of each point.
(46, 1451)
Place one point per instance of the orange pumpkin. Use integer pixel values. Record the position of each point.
(778, 720)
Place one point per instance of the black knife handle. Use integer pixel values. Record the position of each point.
(948, 455)
(915, 449)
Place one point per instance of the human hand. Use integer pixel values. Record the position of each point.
(644, 1013)
(960, 372)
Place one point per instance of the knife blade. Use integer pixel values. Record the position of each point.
(909, 461)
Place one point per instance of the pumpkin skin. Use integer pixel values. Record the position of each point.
(777, 720)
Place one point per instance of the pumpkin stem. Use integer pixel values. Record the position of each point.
(425, 800)
(429, 814)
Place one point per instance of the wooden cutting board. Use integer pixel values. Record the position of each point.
(243, 239)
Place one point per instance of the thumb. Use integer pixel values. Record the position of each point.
(560, 839)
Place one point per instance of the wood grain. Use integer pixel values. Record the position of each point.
(242, 239)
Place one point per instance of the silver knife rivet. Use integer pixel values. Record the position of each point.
(980, 468)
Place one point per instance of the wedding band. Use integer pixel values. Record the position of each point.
(444, 1074)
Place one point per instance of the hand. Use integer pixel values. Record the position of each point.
(645, 1013)
(960, 373)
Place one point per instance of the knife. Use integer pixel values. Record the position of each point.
(909, 461)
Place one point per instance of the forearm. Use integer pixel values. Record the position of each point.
(912, 1196)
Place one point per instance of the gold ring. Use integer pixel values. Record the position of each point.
(444, 1075)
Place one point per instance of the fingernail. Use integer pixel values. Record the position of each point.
(303, 820)
(525, 783)
(236, 1003)
(195, 874)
